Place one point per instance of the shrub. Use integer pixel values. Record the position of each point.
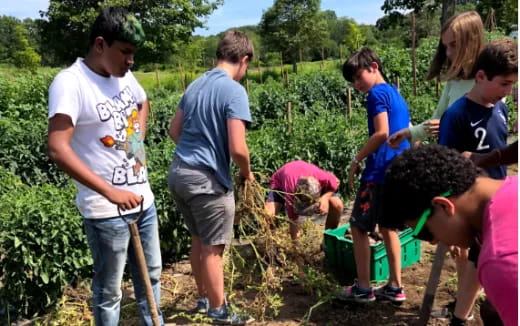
(42, 247)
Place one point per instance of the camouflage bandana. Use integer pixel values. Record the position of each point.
(307, 194)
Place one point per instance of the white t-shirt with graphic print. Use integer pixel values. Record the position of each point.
(107, 135)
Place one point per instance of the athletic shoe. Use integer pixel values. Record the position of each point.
(356, 293)
(448, 310)
(392, 293)
(202, 305)
(222, 316)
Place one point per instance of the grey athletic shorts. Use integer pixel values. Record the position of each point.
(207, 206)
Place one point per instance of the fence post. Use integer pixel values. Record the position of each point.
(281, 64)
(349, 102)
(414, 70)
(398, 84)
(322, 58)
(157, 81)
(247, 86)
(289, 116)
(183, 80)
(260, 72)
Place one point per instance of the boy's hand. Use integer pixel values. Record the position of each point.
(123, 198)
(249, 176)
(454, 251)
(398, 137)
(323, 206)
(432, 126)
(354, 170)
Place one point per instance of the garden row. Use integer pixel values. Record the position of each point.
(42, 246)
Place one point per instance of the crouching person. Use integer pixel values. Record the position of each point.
(304, 189)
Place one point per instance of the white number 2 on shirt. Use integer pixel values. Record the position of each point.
(480, 133)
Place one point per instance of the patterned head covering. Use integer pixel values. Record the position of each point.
(306, 196)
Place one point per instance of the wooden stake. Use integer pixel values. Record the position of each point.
(322, 58)
(247, 86)
(260, 72)
(183, 80)
(289, 116)
(281, 64)
(157, 82)
(398, 84)
(414, 70)
(431, 288)
(349, 102)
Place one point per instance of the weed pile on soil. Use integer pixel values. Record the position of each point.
(265, 256)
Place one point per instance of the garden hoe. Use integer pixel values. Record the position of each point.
(141, 264)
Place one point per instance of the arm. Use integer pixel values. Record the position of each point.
(431, 127)
(499, 156)
(176, 126)
(144, 109)
(238, 147)
(60, 151)
(374, 142)
(378, 137)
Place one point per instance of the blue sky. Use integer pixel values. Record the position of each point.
(233, 13)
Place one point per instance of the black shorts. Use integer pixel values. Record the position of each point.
(368, 208)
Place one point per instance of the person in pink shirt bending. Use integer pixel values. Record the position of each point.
(445, 198)
(304, 189)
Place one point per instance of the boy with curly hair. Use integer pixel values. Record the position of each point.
(449, 200)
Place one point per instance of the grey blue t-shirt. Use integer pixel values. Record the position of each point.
(207, 104)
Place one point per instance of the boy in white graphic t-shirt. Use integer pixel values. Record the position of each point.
(97, 124)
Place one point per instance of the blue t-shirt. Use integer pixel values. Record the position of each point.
(207, 104)
(469, 126)
(384, 98)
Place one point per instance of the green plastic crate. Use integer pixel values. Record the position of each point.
(340, 253)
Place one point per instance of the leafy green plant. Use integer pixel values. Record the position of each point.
(42, 247)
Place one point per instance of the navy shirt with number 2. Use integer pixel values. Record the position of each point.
(469, 126)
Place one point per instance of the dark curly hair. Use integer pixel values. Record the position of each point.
(419, 174)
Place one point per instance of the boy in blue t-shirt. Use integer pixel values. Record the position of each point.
(477, 122)
(387, 113)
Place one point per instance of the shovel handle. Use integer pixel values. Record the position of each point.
(139, 215)
(141, 263)
(143, 272)
(431, 288)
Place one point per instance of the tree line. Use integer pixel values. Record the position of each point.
(290, 31)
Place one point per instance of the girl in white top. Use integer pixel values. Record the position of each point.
(462, 39)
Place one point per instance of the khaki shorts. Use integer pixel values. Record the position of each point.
(207, 206)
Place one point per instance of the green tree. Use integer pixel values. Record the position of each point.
(505, 11)
(15, 47)
(354, 39)
(190, 54)
(291, 26)
(166, 23)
